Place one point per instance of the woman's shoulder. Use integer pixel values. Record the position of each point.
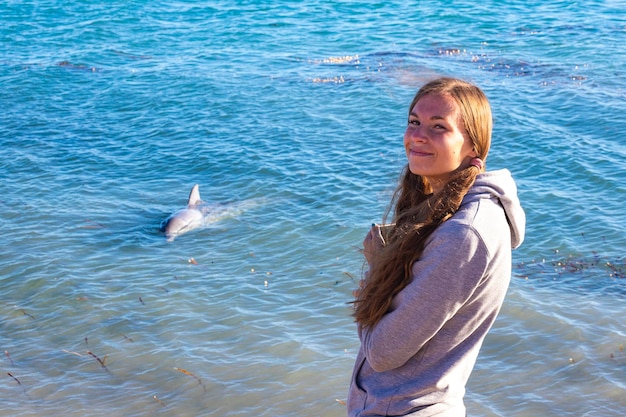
(483, 219)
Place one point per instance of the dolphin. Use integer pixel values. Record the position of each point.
(184, 220)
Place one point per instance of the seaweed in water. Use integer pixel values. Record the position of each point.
(589, 273)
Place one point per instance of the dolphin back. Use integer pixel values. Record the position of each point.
(185, 219)
(181, 222)
(199, 214)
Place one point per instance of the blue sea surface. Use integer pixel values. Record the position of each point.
(290, 116)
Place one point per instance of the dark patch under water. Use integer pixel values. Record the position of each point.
(578, 272)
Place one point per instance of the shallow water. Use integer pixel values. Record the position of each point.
(290, 116)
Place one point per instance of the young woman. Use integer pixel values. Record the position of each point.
(438, 274)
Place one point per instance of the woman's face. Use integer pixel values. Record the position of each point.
(435, 140)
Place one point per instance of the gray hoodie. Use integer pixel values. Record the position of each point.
(418, 358)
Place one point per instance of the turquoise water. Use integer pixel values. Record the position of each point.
(290, 117)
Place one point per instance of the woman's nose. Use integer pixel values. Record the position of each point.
(416, 133)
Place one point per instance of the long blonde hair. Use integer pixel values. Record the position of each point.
(416, 212)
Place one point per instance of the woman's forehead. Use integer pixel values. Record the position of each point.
(442, 104)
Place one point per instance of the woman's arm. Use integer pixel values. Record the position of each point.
(451, 267)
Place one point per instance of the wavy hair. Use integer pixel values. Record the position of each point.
(417, 212)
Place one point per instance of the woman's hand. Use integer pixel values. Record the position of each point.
(356, 292)
(372, 243)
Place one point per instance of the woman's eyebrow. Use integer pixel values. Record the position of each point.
(431, 118)
(435, 117)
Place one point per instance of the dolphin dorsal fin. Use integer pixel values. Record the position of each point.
(194, 196)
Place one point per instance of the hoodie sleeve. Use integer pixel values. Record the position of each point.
(444, 278)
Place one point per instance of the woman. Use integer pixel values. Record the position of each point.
(437, 279)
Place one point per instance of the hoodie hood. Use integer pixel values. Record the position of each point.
(500, 184)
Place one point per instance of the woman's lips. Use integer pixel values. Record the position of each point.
(417, 152)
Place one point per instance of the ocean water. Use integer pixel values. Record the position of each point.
(290, 115)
